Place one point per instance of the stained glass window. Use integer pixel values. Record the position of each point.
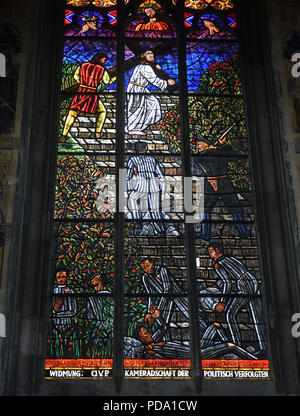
(154, 241)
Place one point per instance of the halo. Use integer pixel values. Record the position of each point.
(150, 3)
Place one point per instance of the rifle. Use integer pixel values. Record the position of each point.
(220, 140)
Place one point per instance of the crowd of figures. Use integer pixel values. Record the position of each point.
(236, 289)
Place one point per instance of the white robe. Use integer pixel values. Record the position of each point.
(143, 108)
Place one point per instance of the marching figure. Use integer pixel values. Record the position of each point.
(237, 281)
(146, 191)
(90, 75)
(143, 108)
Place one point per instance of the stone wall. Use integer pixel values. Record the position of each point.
(285, 34)
(14, 32)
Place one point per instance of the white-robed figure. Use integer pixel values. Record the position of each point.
(143, 108)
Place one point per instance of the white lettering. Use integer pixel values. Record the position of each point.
(100, 373)
(173, 199)
(65, 373)
(191, 405)
(128, 407)
(156, 373)
(150, 404)
(236, 374)
(2, 65)
(218, 374)
(296, 327)
(296, 67)
(194, 201)
(251, 374)
(2, 326)
(183, 373)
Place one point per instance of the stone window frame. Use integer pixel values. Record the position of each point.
(29, 274)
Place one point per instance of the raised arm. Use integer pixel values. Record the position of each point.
(107, 79)
(70, 308)
(77, 74)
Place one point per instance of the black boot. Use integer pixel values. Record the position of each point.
(239, 218)
(205, 228)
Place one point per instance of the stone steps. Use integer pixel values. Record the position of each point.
(84, 128)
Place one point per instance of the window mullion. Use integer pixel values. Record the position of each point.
(196, 363)
(118, 350)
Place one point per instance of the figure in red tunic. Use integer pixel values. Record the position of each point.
(90, 75)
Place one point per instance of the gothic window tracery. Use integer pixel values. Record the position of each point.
(152, 111)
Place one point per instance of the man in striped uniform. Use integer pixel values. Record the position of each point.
(64, 307)
(240, 290)
(146, 184)
(164, 294)
(100, 313)
(176, 349)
